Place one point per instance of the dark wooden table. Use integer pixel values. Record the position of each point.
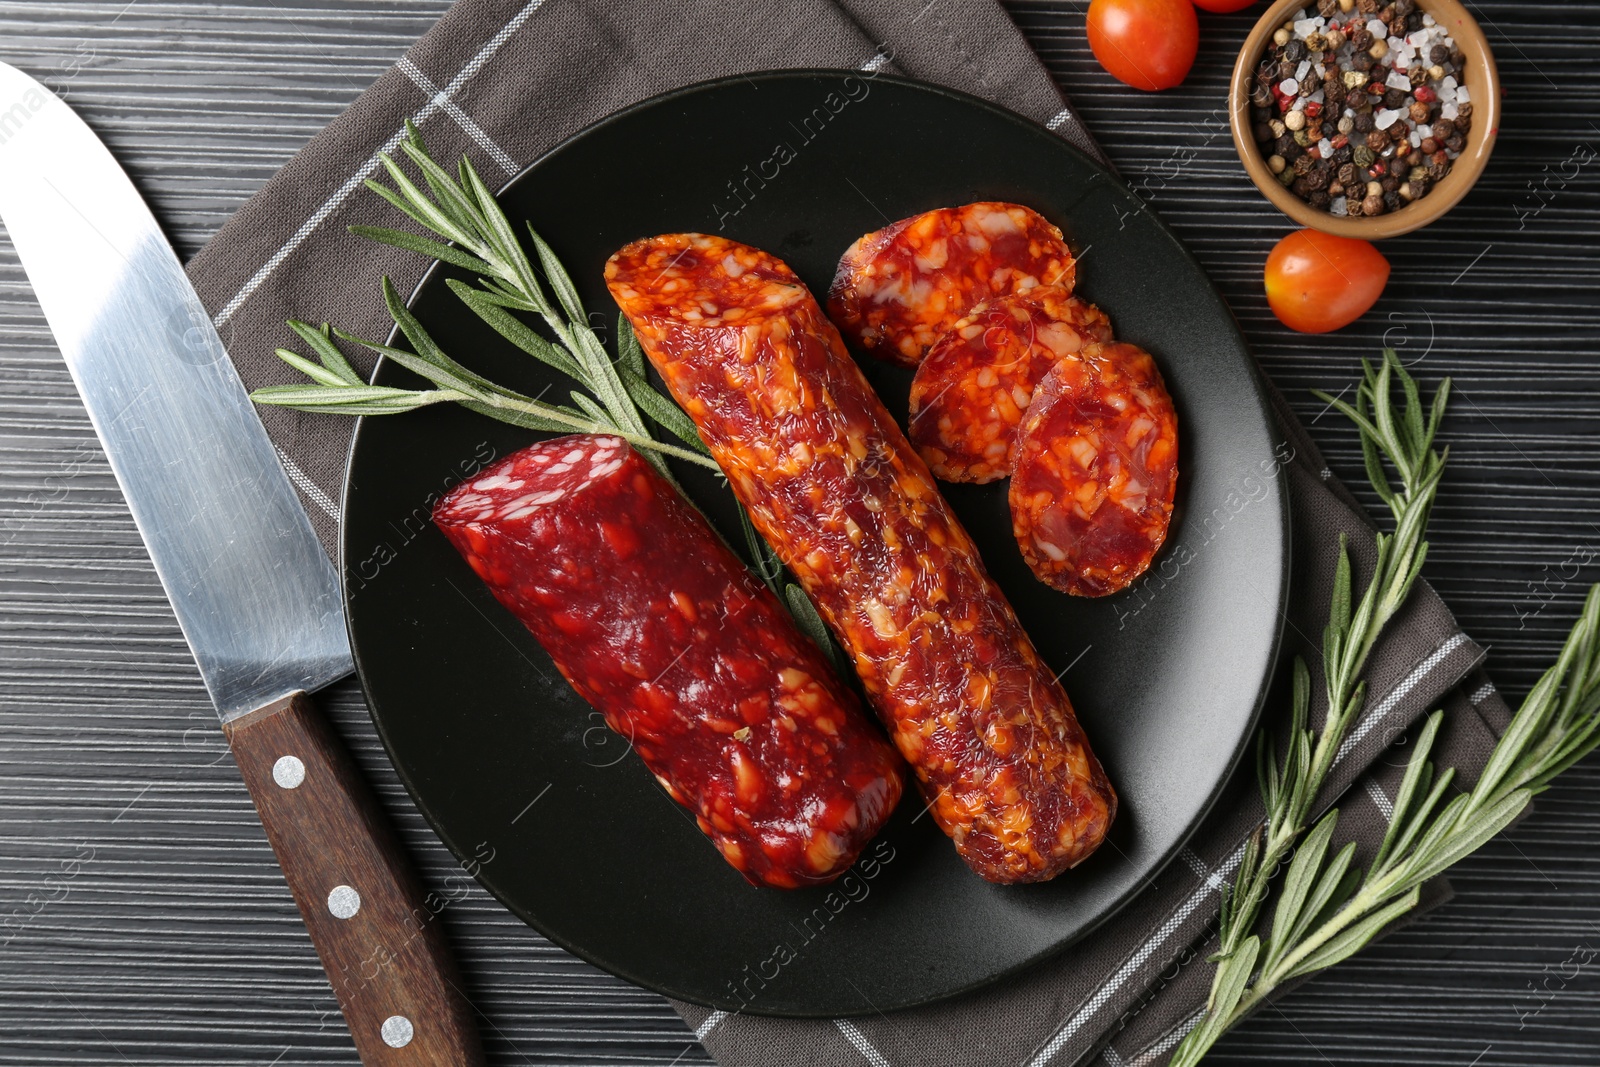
(141, 917)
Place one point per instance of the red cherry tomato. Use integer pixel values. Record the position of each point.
(1223, 6)
(1149, 44)
(1317, 282)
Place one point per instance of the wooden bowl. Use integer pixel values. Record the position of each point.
(1483, 84)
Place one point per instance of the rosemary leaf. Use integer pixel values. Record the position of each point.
(630, 354)
(667, 415)
(491, 310)
(1355, 938)
(320, 338)
(423, 246)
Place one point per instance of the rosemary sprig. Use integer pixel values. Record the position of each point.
(1326, 910)
(462, 210)
(1290, 788)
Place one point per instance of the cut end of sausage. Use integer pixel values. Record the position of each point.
(537, 477)
(700, 280)
(899, 289)
(1096, 470)
(970, 393)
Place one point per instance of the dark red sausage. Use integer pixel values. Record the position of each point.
(1096, 470)
(658, 625)
(970, 393)
(834, 486)
(899, 289)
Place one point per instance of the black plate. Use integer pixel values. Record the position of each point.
(507, 762)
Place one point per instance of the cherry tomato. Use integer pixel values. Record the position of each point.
(1149, 44)
(1223, 6)
(1317, 282)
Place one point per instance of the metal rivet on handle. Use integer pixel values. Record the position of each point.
(288, 772)
(344, 901)
(397, 1031)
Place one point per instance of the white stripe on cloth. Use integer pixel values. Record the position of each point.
(1483, 693)
(501, 157)
(1397, 694)
(709, 1024)
(1380, 798)
(876, 63)
(370, 167)
(1111, 1058)
(854, 1035)
(1055, 121)
(1214, 883)
(1132, 964)
(302, 481)
(1169, 1042)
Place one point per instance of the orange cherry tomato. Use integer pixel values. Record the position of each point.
(1148, 44)
(1317, 282)
(1223, 6)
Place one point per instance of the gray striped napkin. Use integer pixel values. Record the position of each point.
(505, 80)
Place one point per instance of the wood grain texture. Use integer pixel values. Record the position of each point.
(142, 918)
(373, 927)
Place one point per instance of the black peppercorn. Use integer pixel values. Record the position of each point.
(1284, 146)
(1327, 8)
(1367, 7)
(1295, 50)
(1321, 176)
(1364, 122)
(1343, 154)
(1420, 187)
(1437, 171)
(1397, 26)
(1348, 175)
(1456, 144)
(1443, 130)
(1390, 184)
(1414, 21)
(1361, 38)
(1310, 83)
(1261, 114)
(1398, 166)
(1394, 99)
(1463, 111)
(1301, 188)
(1438, 54)
(1404, 7)
(1377, 140)
(1463, 124)
(1303, 165)
(1372, 205)
(1262, 131)
(1333, 94)
(1391, 200)
(1363, 62)
(1319, 199)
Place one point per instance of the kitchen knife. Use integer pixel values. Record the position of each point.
(256, 596)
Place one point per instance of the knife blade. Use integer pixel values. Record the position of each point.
(253, 591)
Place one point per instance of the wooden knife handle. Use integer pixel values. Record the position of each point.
(382, 948)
